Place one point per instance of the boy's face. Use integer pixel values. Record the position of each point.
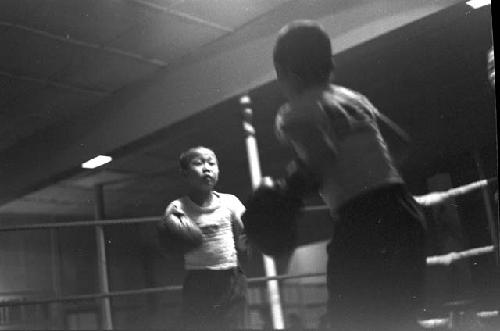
(203, 170)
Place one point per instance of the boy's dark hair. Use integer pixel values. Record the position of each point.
(187, 155)
(303, 47)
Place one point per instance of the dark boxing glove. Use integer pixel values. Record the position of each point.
(300, 181)
(177, 233)
(270, 218)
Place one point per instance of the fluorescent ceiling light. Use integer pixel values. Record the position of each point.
(478, 3)
(97, 161)
(486, 314)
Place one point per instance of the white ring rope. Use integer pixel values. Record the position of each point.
(446, 259)
(439, 197)
(55, 225)
(431, 199)
(150, 290)
(453, 257)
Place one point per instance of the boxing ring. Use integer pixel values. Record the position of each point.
(271, 279)
(444, 260)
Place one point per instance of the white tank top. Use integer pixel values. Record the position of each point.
(216, 222)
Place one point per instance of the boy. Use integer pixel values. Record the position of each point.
(376, 259)
(214, 291)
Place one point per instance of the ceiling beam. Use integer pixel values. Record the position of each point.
(48, 82)
(84, 44)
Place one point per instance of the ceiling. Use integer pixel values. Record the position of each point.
(142, 80)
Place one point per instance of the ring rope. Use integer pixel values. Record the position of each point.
(445, 259)
(453, 257)
(433, 198)
(430, 199)
(55, 225)
(83, 297)
(439, 197)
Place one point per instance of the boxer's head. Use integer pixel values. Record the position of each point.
(302, 56)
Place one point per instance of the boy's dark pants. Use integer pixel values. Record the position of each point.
(214, 300)
(377, 262)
